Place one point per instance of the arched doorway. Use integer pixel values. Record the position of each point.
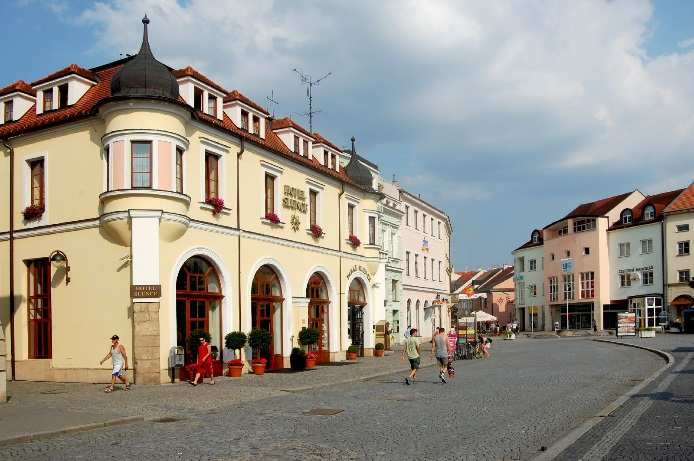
(318, 304)
(356, 301)
(679, 304)
(198, 305)
(266, 304)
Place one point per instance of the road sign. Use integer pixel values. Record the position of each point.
(567, 265)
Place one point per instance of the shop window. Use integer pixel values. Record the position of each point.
(47, 99)
(39, 308)
(179, 170)
(9, 105)
(141, 164)
(211, 176)
(37, 182)
(269, 193)
(313, 205)
(372, 230)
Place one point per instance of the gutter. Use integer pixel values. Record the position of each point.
(339, 251)
(238, 224)
(11, 216)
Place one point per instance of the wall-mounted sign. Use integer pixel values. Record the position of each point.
(294, 199)
(635, 269)
(425, 245)
(361, 269)
(567, 265)
(145, 291)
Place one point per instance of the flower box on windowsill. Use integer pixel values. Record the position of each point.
(266, 221)
(207, 206)
(316, 231)
(354, 241)
(33, 212)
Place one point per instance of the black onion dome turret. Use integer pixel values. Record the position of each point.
(357, 171)
(144, 76)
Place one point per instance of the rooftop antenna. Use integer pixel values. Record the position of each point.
(310, 83)
(270, 101)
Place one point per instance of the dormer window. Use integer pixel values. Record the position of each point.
(256, 125)
(48, 99)
(9, 105)
(626, 216)
(333, 161)
(649, 212)
(62, 95)
(305, 148)
(244, 120)
(197, 98)
(325, 158)
(212, 105)
(536, 237)
(296, 144)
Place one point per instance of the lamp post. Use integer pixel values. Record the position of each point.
(60, 258)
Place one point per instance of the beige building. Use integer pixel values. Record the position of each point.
(151, 203)
(679, 260)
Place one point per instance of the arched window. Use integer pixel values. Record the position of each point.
(626, 216)
(317, 293)
(266, 301)
(536, 237)
(416, 320)
(409, 313)
(649, 212)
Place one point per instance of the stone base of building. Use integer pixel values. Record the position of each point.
(41, 370)
(146, 347)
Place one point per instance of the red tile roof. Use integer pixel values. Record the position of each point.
(501, 276)
(659, 201)
(464, 277)
(289, 123)
(238, 96)
(321, 140)
(100, 93)
(597, 208)
(684, 202)
(191, 72)
(69, 70)
(19, 86)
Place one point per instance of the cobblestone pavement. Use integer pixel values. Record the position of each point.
(526, 396)
(656, 423)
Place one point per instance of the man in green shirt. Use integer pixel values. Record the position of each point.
(411, 351)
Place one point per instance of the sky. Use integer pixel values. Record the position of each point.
(505, 114)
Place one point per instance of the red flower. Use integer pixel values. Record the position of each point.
(316, 231)
(217, 203)
(354, 241)
(33, 212)
(272, 217)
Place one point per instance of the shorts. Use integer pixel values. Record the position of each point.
(443, 361)
(414, 364)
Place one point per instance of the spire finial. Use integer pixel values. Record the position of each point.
(145, 20)
(353, 139)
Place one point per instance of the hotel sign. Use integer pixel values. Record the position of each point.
(361, 269)
(145, 291)
(294, 199)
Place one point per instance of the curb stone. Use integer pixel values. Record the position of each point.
(569, 439)
(71, 430)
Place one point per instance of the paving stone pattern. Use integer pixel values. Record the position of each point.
(527, 395)
(665, 430)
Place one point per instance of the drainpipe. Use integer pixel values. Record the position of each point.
(665, 306)
(238, 224)
(339, 249)
(11, 216)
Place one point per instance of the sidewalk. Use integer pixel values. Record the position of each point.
(37, 409)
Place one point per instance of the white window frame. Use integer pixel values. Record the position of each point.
(26, 195)
(532, 265)
(276, 171)
(680, 246)
(648, 243)
(679, 276)
(650, 277)
(318, 188)
(355, 202)
(684, 228)
(649, 213)
(624, 249)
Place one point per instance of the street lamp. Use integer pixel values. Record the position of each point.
(60, 258)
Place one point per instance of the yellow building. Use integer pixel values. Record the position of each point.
(149, 203)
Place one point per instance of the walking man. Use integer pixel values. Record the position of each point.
(440, 349)
(411, 351)
(120, 364)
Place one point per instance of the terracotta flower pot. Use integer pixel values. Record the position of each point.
(351, 356)
(234, 371)
(310, 363)
(258, 368)
(378, 352)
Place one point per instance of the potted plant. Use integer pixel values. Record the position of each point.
(33, 212)
(297, 359)
(308, 337)
(217, 204)
(259, 340)
(235, 341)
(352, 352)
(316, 231)
(272, 217)
(354, 241)
(379, 350)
